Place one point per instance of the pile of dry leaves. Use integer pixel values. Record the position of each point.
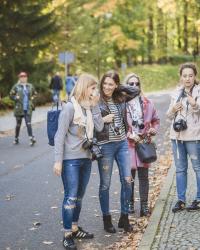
(132, 241)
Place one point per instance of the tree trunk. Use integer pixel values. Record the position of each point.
(185, 28)
(150, 37)
(178, 32)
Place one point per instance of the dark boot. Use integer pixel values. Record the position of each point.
(124, 223)
(144, 209)
(108, 226)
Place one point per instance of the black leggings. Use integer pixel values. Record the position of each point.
(27, 118)
(143, 174)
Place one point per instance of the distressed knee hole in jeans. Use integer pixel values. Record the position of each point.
(105, 167)
(70, 203)
(193, 157)
(128, 179)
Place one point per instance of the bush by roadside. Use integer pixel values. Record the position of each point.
(41, 99)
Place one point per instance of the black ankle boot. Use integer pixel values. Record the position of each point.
(108, 226)
(124, 223)
(144, 209)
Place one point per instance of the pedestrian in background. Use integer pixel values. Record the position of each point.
(56, 85)
(114, 146)
(143, 123)
(23, 94)
(77, 121)
(70, 83)
(184, 113)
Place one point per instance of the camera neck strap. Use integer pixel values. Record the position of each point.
(181, 95)
(119, 111)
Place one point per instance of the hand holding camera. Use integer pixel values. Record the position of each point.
(108, 118)
(177, 107)
(191, 100)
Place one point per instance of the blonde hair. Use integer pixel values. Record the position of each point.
(80, 90)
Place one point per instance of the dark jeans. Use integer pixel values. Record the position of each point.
(27, 118)
(117, 151)
(143, 183)
(75, 177)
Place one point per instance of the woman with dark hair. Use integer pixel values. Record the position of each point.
(184, 113)
(143, 123)
(114, 146)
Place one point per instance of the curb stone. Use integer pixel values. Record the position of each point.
(155, 219)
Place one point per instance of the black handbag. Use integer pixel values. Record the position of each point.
(146, 152)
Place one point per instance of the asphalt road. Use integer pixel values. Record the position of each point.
(31, 196)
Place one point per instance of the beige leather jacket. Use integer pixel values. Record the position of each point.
(189, 113)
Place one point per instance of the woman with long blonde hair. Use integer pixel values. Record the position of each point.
(77, 121)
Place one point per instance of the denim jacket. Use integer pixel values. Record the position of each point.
(129, 93)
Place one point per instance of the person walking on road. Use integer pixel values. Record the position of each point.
(143, 123)
(114, 146)
(23, 94)
(184, 112)
(76, 124)
(70, 83)
(56, 85)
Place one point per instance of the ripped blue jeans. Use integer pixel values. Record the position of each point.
(181, 151)
(119, 152)
(75, 177)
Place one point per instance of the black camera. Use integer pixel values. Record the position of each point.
(139, 123)
(180, 125)
(116, 129)
(93, 147)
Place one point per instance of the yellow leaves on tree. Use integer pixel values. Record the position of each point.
(106, 7)
(116, 35)
(167, 6)
(197, 24)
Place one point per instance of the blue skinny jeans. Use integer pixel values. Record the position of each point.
(181, 151)
(119, 152)
(75, 177)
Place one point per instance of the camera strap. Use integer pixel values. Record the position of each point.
(119, 111)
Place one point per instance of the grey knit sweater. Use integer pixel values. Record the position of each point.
(69, 137)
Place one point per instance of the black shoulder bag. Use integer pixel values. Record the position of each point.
(146, 150)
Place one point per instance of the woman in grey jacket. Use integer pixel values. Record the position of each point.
(73, 143)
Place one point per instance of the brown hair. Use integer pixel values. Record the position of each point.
(117, 96)
(190, 66)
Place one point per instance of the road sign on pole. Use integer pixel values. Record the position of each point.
(66, 58)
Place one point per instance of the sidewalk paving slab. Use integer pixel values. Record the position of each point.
(155, 219)
(169, 231)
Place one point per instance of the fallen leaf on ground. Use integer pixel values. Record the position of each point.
(55, 207)
(33, 228)
(47, 242)
(9, 197)
(36, 223)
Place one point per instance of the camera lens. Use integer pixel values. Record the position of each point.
(134, 123)
(141, 126)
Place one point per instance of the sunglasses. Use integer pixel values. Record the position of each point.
(133, 83)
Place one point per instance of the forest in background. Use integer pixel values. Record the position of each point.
(102, 34)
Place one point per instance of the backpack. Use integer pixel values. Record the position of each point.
(52, 124)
